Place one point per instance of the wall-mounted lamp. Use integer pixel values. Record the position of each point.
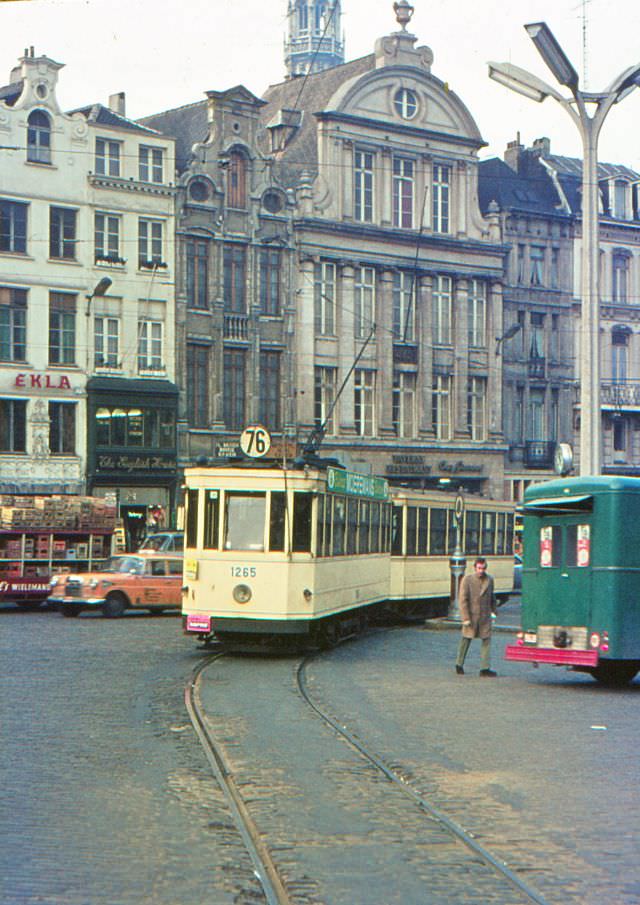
(510, 333)
(101, 289)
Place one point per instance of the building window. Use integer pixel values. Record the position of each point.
(270, 264)
(150, 164)
(537, 336)
(150, 346)
(442, 301)
(270, 389)
(235, 268)
(405, 102)
(404, 311)
(364, 401)
(555, 268)
(152, 428)
(234, 391)
(404, 404)
(619, 348)
(476, 408)
(555, 338)
(364, 300)
(441, 406)
(620, 199)
(518, 415)
(106, 342)
(62, 328)
(324, 298)
(13, 324)
(303, 15)
(403, 188)
(13, 226)
(441, 191)
(521, 264)
(477, 313)
(62, 233)
(62, 428)
(38, 137)
(107, 238)
(537, 415)
(150, 244)
(554, 415)
(324, 395)
(237, 181)
(536, 265)
(197, 273)
(13, 426)
(363, 186)
(620, 277)
(107, 157)
(198, 378)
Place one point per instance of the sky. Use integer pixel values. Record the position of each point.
(164, 55)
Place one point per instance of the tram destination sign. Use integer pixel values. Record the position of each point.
(353, 484)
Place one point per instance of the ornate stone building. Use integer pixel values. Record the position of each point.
(313, 41)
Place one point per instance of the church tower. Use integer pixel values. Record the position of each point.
(313, 41)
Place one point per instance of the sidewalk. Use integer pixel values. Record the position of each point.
(508, 620)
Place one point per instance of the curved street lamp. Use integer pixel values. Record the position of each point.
(589, 126)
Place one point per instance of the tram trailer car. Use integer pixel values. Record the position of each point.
(281, 552)
(581, 577)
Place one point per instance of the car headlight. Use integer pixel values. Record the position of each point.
(94, 583)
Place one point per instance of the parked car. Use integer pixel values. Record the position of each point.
(517, 573)
(147, 580)
(161, 541)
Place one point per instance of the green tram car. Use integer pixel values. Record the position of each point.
(581, 577)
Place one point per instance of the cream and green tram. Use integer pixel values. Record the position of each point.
(425, 534)
(279, 551)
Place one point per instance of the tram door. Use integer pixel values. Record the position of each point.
(562, 585)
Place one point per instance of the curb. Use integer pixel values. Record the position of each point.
(445, 624)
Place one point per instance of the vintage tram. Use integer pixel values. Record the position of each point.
(310, 552)
(581, 577)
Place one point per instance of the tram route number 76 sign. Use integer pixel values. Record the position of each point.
(255, 441)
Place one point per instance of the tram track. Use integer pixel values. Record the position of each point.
(264, 868)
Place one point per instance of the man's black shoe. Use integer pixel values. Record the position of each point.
(488, 673)
(459, 670)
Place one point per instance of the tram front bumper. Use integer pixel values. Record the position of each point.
(524, 653)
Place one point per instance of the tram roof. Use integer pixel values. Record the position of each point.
(578, 490)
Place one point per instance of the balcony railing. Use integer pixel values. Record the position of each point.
(537, 367)
(236, 326)
(621, 393)
(539, 453)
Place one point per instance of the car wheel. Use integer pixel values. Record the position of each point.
(114, 606)
(70, 610)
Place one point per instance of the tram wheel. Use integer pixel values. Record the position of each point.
(70, 610)
(114, 606)
(615, 673)
(329, 634)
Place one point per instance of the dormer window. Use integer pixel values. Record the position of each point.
(620, 200)
(237, 181)
(38, 137)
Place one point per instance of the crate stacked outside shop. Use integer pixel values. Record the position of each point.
(40, 535)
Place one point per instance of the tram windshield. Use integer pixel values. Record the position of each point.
(244, 521)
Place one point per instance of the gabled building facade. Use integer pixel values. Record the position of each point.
(87, 399)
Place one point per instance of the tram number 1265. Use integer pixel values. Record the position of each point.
(243, 571)
(255, 441)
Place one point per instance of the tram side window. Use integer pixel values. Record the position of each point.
(363, 527)
(276, 521)
(510, 538)
(339, 520)
(438, 532)
(320, 525)
(211, 516)
(501, 546)
(327, 526)
(302, 509)
(352, 526)
(423, 531)
(244, 521)
(412, 530)
(397, 514)
(192, 518)
(375, 528)
(488, 532)
(472, 544)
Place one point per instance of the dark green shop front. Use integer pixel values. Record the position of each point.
(132, 454)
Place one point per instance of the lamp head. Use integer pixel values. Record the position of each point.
(553, 55)
(103, 287)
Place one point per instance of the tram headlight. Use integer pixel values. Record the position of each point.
(594, 640)
(307, 594)
(242, 593)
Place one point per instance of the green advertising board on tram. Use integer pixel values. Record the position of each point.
(353, 484)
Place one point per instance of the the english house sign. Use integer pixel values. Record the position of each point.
(42, 381)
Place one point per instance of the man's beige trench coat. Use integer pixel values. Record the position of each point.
(477, 602)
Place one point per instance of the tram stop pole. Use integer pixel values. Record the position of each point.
(457, 561)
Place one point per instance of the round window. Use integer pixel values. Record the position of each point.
(198, 190)
(272, 202)
(41, 90)
(406, 103)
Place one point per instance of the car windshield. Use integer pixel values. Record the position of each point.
(125, 564)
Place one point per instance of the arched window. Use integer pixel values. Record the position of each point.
(237, 180)
(39, 137)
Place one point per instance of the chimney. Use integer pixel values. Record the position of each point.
(513, 154)
(117, 103)
(542, 147)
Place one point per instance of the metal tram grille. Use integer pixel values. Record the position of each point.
(574, 637)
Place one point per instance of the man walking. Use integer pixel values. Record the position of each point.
(477, 608)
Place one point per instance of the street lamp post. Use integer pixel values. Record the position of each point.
(589, 126)
(99, 290)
